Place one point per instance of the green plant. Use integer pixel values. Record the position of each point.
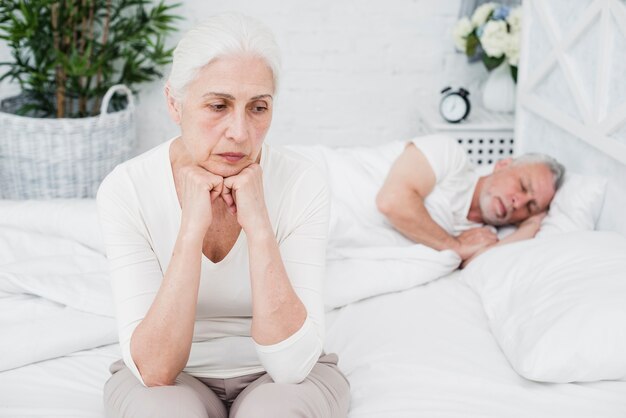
(67, 53)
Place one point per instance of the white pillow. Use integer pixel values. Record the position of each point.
(557, 305)
(74, 219)
(576, 205)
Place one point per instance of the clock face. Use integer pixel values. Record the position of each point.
(453, 107)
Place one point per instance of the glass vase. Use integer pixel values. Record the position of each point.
(499, 90)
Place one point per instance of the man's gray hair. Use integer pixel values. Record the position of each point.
(556, 168)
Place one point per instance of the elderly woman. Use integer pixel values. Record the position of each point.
(217, 245)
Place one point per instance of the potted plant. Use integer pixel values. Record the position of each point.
(492, 34)
(67, 129)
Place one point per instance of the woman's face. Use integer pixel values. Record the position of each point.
(225, 113)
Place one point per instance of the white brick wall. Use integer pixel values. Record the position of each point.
(353, 71)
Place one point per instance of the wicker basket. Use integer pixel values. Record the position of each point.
(63, 158)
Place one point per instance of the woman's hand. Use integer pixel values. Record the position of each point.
(243, 194)
(199, 190)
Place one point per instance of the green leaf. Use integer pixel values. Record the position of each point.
(132, 54)
(491, 62)
(472, 44)
(514, 73)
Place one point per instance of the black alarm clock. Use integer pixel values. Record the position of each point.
(454, 105)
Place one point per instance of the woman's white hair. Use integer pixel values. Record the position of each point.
(221, 35)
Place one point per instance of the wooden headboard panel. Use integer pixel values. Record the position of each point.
(572, 92)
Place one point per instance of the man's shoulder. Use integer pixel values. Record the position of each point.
(437, 141)
(445, 155)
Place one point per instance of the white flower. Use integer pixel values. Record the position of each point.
(512, 48)
(515, 19)
(481, 13)
(461, 30)
(494, 38)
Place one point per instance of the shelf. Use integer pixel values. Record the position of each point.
(479, 119)
(486, 136)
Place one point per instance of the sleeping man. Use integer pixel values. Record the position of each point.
(433, 196)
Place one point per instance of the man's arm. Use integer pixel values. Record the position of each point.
(401, 200)
(525, 230)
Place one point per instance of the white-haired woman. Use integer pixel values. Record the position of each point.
(217, 246)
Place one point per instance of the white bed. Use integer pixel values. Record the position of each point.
(426, 350)
(69, 386)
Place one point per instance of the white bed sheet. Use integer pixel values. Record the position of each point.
(428, 352)
(425, 351)
(65, 387)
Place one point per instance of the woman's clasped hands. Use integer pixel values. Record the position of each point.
(241, 193)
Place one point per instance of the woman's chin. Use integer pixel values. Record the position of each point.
(224, 170)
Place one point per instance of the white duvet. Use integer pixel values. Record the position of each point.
(366, 255)
(54, 285)
(55, 297)
(425, 351)
(359, 273)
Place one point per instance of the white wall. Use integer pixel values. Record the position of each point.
(353, 71)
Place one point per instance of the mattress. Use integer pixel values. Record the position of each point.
(69, 386)
(425, 351)
(428, 351)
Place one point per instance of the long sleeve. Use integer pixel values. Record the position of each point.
(135, 271)
(304, 253)
(140, 218)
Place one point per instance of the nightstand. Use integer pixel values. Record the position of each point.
(486, 136)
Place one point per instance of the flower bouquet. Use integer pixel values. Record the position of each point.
(492, 34)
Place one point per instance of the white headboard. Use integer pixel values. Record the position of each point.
(572, 92)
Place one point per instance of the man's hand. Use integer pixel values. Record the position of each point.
(473, 240)
(527, 229)
(531, 225)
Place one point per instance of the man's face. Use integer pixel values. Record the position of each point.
(513, 193)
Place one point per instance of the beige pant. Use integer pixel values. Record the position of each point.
(324, 393)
